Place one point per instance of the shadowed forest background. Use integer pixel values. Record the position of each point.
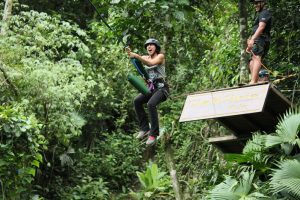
(67, 122)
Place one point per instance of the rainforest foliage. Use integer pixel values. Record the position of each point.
(67, 122)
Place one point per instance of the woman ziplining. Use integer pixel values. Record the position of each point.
(158, 90)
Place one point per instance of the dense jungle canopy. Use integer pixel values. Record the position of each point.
(67, 124)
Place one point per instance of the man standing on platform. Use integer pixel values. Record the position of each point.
(259, 42)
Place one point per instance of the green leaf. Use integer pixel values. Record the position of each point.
(31, 171)
(35, 163)
(39, 157)
(3, 163)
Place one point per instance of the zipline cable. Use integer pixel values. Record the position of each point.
(106, 24)
(138, 84)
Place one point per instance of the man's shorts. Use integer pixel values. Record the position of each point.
(261, 47)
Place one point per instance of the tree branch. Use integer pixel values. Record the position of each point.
(6, 78)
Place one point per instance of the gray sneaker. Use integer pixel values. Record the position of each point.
(151, 140)
(142, 134)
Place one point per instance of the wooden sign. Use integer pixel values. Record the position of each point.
(222, 103)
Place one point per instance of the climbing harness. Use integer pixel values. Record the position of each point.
(150, 86)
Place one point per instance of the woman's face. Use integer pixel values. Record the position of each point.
(151, 49)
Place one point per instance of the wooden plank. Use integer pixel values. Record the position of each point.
(226, 139)
(229, 144)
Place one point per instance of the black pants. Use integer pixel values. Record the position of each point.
(152, 100)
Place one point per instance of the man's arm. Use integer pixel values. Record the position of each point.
(258, 32)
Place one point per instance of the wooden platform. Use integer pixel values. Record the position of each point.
(230, 143)
(243, 110)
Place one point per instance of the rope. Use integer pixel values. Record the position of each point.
(283, 78)
(271, 72)
(256, 57)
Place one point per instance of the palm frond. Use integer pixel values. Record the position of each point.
(246, 181)
(287, 132)
(224, 191)
(272, 140)
(232, 189)
(287, 178)
(251, 152)
(256, 144)
(254, 153)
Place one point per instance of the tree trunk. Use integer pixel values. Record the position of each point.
(149, 154)
(166, 140)
(6, 16)
(243, 41)
(173, 173)
(8, 81)
(170, 163)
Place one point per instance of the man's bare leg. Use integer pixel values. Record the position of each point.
(255, 65)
